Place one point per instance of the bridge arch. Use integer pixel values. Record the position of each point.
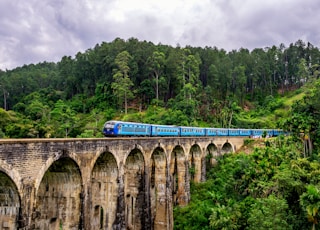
(178, 176)
(227, 147)
(145, 158)
(158, 188)
(135, 189)
(50, 161)
(210, 159)
(194, 160)
(104, 191)
(12, 173)
(58, 201)
(101, 151)
(212, 152)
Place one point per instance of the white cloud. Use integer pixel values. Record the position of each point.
(35, 31)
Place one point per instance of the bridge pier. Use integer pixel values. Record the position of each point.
(107, 183)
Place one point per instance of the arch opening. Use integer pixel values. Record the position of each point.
(178, 176)
(210, 158)
(9, 203)
(59, 200)
(104, 192)
(226, 148)
(195, 163)
(158, 189)
(135, 190)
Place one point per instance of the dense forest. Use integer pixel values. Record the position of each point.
(276, 186)
(140, 81)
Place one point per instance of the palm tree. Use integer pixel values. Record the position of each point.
(310, 201)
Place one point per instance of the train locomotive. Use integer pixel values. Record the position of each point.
(121, 128)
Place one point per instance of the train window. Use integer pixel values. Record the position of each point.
(109, 125)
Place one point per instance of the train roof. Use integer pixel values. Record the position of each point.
(172, 126)
(126, 122)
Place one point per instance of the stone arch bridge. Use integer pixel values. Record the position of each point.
(107, 183)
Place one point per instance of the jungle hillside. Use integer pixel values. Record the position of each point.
(139, 81)
(273, 186)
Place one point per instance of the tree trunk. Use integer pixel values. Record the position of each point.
(125, 103)
(157, 86)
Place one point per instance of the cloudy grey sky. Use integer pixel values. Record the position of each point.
(34, 31)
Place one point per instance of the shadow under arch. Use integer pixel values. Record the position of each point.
(12, 173)
(210, 159)
(195, 163)
(59, 197)
(178, 176)
(226, 148)
(10, 202)
(50, 161)
(104, 191)
(158, 189)
(135, 191)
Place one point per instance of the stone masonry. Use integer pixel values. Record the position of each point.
(106, 183)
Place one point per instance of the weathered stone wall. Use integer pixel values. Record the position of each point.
(109, 183)
(9, 203)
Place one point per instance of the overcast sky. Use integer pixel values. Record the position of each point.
(33, 31)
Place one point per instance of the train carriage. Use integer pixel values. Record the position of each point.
(269, 132)
(245, 132)
(165, 130)
(277, 132)
(217, 132)
(192, 131)
(234, 132)
(257, 133)
(261, 132)
(211, 132)
(120, 128)
(222, 132)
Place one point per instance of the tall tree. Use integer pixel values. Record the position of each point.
(64, 119)
(157, 61)
(122, 83)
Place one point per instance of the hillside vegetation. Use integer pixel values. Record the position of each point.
(270, 188)
(270, 183)
(274, 187)
(139, 81)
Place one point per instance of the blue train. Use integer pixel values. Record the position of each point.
(122, 128)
